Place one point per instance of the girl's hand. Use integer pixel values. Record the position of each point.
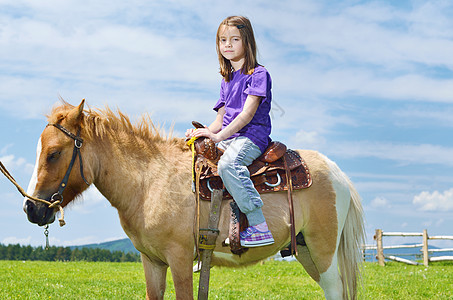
(189, 132)
(206, 133)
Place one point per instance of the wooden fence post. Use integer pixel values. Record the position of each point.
(379, 247)
(425, 248)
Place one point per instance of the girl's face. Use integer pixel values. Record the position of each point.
(231, 45)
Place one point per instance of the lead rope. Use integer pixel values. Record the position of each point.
(195, 189)
(23, 193)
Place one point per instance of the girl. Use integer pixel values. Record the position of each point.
(243, 125)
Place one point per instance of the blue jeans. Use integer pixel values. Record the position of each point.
(239, 153)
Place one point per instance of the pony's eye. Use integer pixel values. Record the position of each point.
(53, 156)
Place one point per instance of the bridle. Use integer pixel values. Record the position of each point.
(57, 198)
(78, 142)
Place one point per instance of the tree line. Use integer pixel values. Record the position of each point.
(18, 252)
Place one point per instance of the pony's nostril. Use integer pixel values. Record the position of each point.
(29, 207)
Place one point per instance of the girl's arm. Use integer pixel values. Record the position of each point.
(216, 126)
(251, 105)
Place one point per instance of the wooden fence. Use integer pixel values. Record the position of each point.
(424, 247)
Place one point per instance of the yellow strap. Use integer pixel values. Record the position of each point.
(191, 144)
(192, 140)
(206, 247)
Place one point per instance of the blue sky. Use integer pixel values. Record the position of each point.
(367, 83)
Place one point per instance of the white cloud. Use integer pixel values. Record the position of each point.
(311, 80)
(13, 163)
(427, 223)
(4, 149)
(391, 186)
(78, 241)
(440, 222)
(92, 201)
(369, 33)
(307, 140)
(12, 240)
(84, 240)
(54, 241)
(8, 160)
(418, 116)
(435, 201)
(404, 153)
(379, 202)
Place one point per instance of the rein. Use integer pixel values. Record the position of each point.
(57, 198)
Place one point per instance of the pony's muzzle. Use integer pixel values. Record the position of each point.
(39, 214)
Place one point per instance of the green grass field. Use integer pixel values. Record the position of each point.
(271, 280)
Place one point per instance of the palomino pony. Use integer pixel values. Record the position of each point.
(147, 178)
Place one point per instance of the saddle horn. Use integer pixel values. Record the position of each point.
(206, 147)
(197, 124)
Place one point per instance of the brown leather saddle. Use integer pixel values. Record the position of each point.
(277, 169)
(268, 172)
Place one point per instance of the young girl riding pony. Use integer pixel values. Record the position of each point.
(243, 124)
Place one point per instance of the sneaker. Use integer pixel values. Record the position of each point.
(252, 237)
(197, 267)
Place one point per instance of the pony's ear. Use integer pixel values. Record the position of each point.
(75, 115)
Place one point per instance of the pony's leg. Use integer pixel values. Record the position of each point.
(307, 262)
(330, 281)
(156, 278)
(181, 266)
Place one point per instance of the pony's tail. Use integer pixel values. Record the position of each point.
(349, 251)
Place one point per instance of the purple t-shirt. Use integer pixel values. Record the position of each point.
(233, 95)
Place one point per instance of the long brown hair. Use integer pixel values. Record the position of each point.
(248, 40)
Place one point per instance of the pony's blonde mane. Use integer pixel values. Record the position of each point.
(106, 123)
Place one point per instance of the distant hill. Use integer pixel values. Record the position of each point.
(124, 245)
